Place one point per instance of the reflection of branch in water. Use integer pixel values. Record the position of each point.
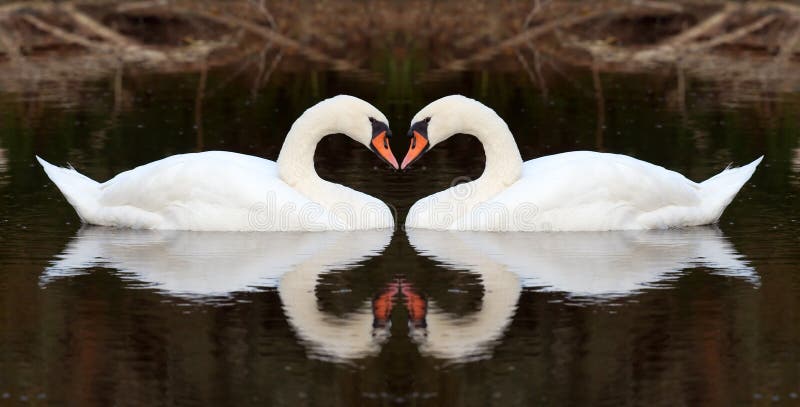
(198, 108)
(537, 66)
(262, 60)
(524, 63)
(601, 109)
(243, 65)
(554, 67)
(265, 79)
(118, 95)
(681, 96)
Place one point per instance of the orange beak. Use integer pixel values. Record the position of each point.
(380, 144)
(418, 146)
(416, 305)
(383, 304)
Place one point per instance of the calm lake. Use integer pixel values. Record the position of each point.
(103, 316)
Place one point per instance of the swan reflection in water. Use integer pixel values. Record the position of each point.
(3, 166)
(585, 266)
(203, 266)
(594, 266)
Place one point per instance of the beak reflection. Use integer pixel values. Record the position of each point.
(415, 303)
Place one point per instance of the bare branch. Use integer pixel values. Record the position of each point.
(538, 6)
(64, 35)
(95, 27)
(523, 37)
(524, 63)
(273, 36)
(702, 28)
(10, 46)
(734, 35)
(787, 49)
(262, 8)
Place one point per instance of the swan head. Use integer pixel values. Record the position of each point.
(363, 123)
(440, 120)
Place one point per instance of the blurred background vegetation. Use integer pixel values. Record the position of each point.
(753, 46)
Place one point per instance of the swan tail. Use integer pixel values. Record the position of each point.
(718, 191)
(81, 191)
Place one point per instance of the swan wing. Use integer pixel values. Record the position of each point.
(591, 191)
(201, 191)
(579, 177)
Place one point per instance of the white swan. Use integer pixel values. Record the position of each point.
(575, 191)
(585, 266)
(224, 191)
(205, 266)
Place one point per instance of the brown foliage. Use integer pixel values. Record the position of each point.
(715, 40)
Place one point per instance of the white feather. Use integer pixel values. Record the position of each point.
(574, 191)
(225, 191)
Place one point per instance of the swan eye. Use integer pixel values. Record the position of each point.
(427, 120)
(371, 120)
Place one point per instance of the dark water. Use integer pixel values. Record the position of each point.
(100, 316)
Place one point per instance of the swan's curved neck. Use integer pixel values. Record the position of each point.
(503, 161)
(296, 159)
